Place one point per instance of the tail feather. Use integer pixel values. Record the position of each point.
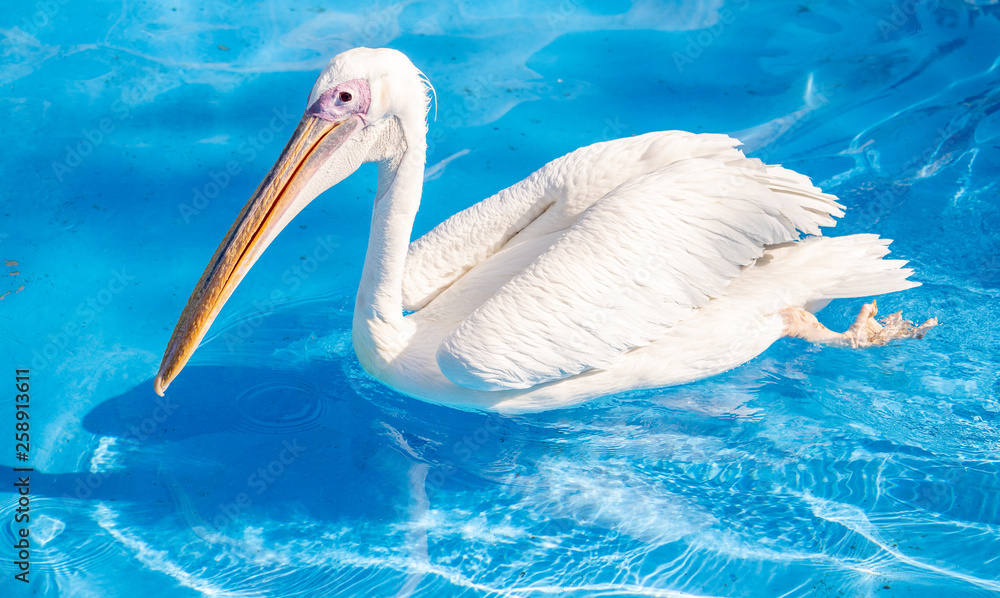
(861, 271)
(811, 272)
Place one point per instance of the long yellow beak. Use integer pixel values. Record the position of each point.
(275, 202)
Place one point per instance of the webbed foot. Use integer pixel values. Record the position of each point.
(864, 332)
(867, 332)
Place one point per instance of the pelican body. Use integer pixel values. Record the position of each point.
(637, 263)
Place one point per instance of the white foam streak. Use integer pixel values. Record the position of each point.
(855, 520)
(156, 560)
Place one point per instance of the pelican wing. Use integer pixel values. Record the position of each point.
(551, 199)
(437, 259)
(635, 263)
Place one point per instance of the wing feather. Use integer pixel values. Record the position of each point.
(551, 199)
(633, 264)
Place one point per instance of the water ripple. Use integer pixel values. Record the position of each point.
(53, 550)
(280, 405)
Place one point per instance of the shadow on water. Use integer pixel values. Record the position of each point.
(237, 456)
(228, 442)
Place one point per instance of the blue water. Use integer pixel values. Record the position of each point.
(133, 132)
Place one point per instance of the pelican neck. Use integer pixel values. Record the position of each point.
(379, 325)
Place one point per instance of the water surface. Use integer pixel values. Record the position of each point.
(133, 132)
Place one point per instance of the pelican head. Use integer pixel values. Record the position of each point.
(368, 105)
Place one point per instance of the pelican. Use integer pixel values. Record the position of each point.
(637, 263)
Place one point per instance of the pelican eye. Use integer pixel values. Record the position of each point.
(345, 96)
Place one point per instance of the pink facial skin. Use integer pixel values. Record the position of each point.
(342, 101)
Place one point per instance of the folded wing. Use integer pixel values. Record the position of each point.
(549, 200)
(633, 264)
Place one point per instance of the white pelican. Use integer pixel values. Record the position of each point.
(637, 263)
